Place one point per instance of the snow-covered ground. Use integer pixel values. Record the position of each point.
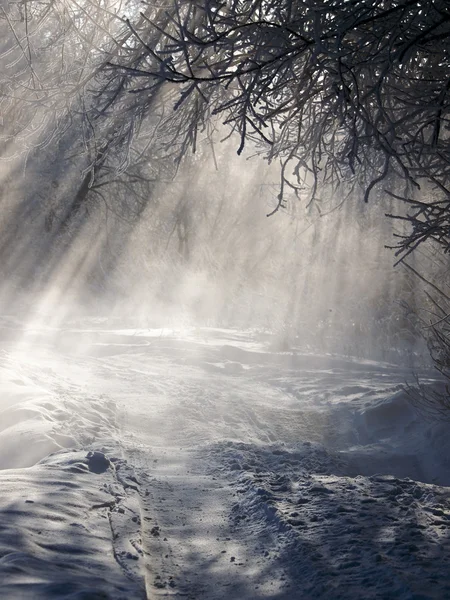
(201, 464)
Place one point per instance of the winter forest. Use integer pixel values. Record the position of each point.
(225, 299)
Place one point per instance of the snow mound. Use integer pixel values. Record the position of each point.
(342, 537)
(39, 416)
(56, 535)
(387, 415)
(394, 439)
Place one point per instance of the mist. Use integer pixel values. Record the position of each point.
(200, 250)
(113, 205)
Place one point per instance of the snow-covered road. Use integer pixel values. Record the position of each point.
(224, 470)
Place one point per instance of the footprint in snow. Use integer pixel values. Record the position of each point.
(97, 462)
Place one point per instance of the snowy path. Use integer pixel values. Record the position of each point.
(234, 473)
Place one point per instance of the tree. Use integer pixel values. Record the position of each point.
(355, 91)
(68, 129)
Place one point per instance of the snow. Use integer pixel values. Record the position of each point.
(200, 463)
(58, 519)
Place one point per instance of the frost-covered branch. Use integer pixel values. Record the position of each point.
(350, 91)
